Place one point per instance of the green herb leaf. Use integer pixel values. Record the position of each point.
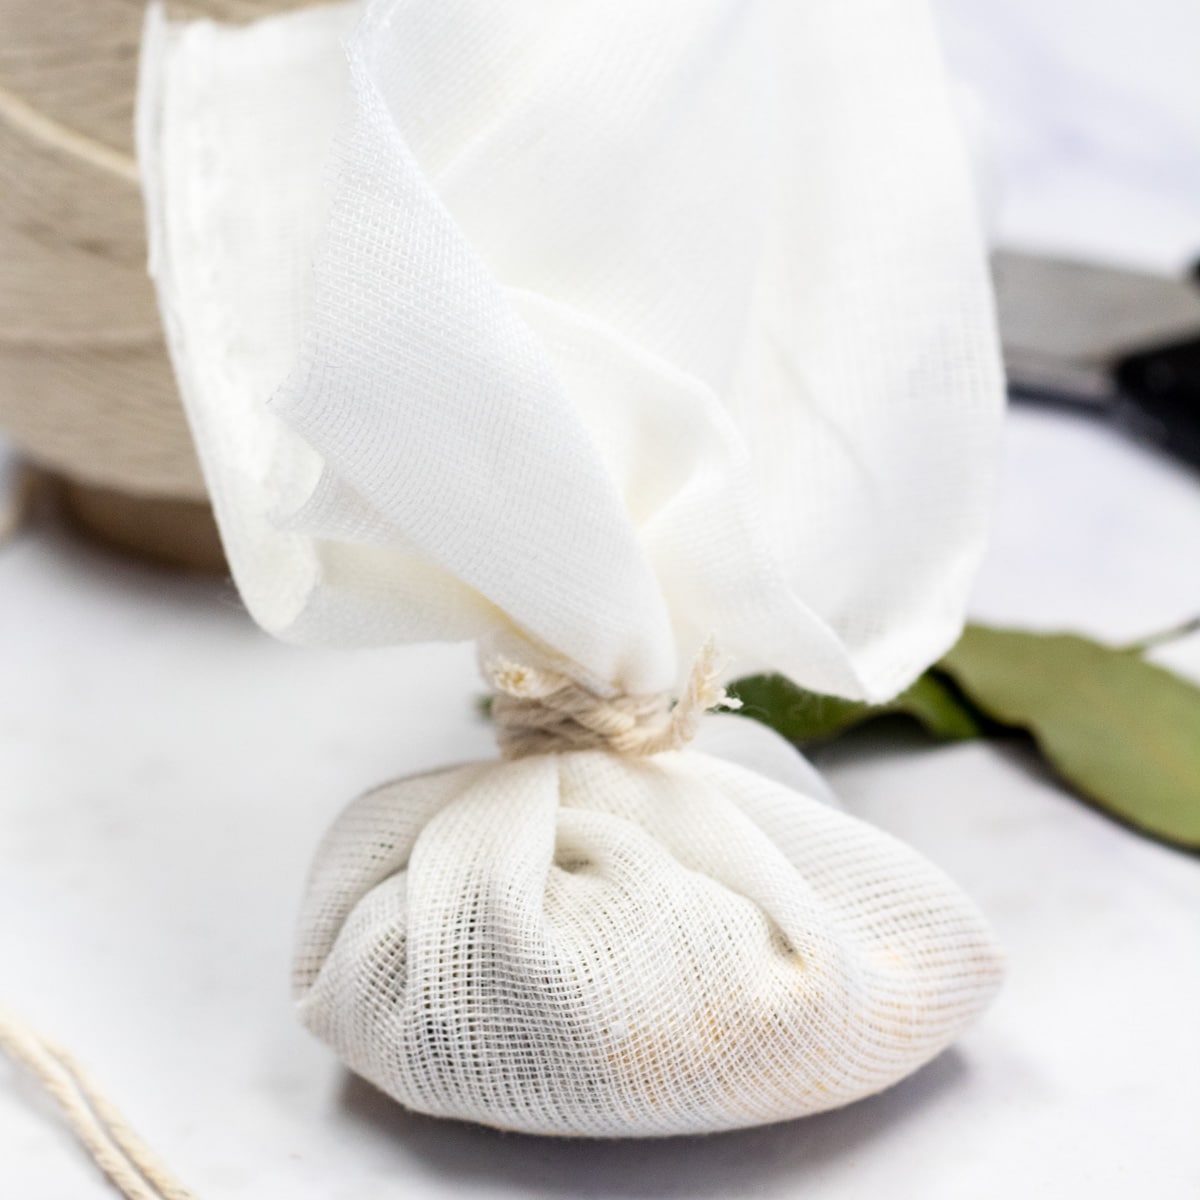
(940, 707)
(802, 716)
(1120, 730)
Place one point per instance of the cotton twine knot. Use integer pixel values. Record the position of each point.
(539, 711)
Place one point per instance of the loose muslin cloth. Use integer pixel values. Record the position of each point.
(590, 329)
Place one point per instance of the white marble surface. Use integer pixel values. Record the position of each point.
(1088, 117)
(165, 772)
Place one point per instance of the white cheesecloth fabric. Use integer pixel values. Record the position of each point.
(586, 329)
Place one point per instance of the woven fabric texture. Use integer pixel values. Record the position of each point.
(604, 325)
(587, 329)
(584, 945)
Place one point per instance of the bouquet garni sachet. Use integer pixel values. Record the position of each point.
(628, 341)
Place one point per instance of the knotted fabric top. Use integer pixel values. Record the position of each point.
(538, 711)
(477, 344)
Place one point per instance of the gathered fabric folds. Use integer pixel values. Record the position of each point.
(587, 330)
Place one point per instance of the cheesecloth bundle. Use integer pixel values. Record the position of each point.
(590, 330)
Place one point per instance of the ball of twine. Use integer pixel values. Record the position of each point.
(86, 388)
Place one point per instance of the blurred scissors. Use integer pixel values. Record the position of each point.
(1119, 344)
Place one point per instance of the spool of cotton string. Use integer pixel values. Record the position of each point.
(86, 389)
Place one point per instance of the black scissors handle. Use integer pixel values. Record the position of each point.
(1159, 396)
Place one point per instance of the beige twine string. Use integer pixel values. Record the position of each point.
(538, 711)
(134, 1169)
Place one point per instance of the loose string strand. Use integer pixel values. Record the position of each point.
(134, 1169)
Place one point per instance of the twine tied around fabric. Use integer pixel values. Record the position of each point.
(538, 711)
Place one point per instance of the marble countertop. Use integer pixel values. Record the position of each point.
(165, 772)
(1086, 123)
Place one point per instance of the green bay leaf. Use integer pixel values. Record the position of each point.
(1122, 731)
(803, 716)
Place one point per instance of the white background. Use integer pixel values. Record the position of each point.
(165, 772)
